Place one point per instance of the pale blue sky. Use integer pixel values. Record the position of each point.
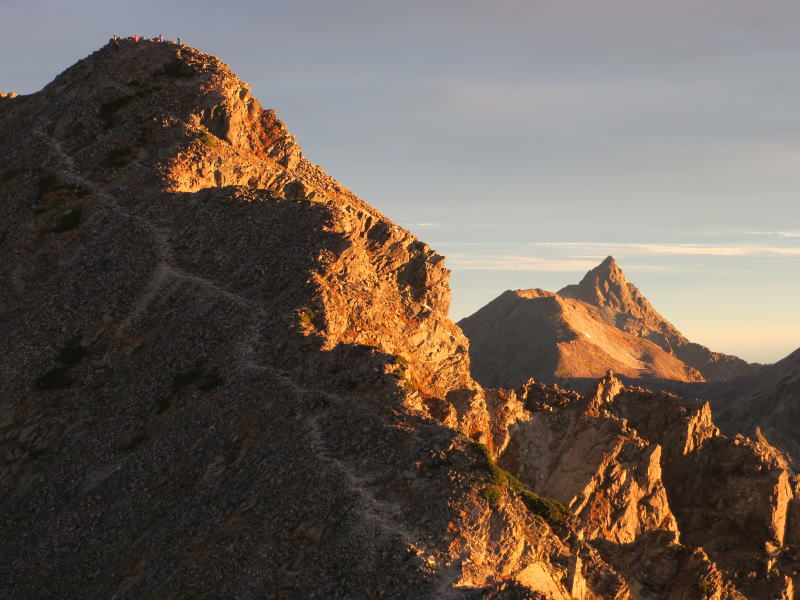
(525, 140)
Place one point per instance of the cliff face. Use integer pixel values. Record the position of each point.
(640, 469)
(224, 375)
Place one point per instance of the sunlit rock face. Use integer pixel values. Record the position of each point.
(222, 375)
(622, 305)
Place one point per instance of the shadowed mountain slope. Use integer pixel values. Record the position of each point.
(767, 404)
(202, 334)
(222, 375)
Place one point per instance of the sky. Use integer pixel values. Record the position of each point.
(524, 140)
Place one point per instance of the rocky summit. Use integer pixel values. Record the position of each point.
(223, 375)
(582, 331)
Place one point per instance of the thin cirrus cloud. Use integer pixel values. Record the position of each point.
(677, 249)
(512, 262)
(516, 262)
(585, 255)
(781, 234)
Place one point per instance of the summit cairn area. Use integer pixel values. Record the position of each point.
(223, 375)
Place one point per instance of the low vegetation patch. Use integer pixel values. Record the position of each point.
(72, 353)
(307, 317)
(69, 356)
(55, 379)
(50, 185)
(109, 110)
(68, 221)
(492, 493)
(203, 377)
(9, 174)
(401, 374)
(185, 379)
(400, 361)
(548, 509)
(404, 381)
(208, 140)
(119, 157)
(211, 379)
(177, 69)
(680, 549)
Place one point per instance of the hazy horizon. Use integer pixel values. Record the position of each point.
(525, 141)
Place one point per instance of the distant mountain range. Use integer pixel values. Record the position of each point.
(765, 405)
(602, 323)
(605, 323)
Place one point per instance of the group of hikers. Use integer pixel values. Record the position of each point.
(115, 39)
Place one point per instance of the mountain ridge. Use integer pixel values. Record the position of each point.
(224, 375)
(533, 333)
(624, 306)
(604, 322)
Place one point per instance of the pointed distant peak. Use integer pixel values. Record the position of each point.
(608, 268)
(609, 261)
(605, 285)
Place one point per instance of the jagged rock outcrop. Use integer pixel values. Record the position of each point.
(764, 407)
(595, 464)
(658, 491)
(574, 336)
(224, 375)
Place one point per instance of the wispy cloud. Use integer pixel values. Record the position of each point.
(582, 256)
(512, 262)
(518, 262)
(782, 234)
(674, 249)
(423, 225)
